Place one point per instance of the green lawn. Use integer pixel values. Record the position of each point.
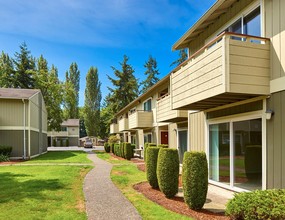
(62, 157)
(124, 177)
(42, 192)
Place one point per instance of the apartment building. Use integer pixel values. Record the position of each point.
(149, 118)
(234, 79)
(23, 122)
(68, 136)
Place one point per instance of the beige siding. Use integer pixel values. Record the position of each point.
(58, 134)
(276, 142)
(140, 119)
(34, 111)
(237, 8)
(35, 148)
(229, 66)
(172, 135)
(275, 30)
(73, 141)
(197, 131)
(114, 128)
(123, 124)
(11, 112)
(164, 112)
(73, 131)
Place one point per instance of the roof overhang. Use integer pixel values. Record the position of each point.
(217, 9)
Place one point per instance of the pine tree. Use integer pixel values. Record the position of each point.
(106, 116)
(125, 87)
(151, 73)
(24, 69)
(47, 81)
(6, 71)
(73, 77)
(182, 57)
(92, 102)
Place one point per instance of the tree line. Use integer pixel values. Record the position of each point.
(25, 71)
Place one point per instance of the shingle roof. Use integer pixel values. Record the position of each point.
(70, 122)
(8, 93)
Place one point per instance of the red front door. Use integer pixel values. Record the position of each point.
(164, 137)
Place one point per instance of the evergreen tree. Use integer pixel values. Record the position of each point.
(106, 116)
(151, 73)
(125, 87)
(6, 71)
(182, 57)
(70, 107)
(92, 102)
(73, 77)
(82, 129)
(24, 69)
(47, 81)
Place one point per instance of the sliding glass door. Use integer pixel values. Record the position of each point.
(235, 153)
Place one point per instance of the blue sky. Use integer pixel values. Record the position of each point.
(98, 32)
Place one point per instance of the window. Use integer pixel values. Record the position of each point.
(235, 153)
(147, 138)
(63, 128)
(147, 105)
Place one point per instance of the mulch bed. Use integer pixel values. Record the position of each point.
(175, 204)
(11, 162)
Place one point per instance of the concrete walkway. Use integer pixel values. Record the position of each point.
(103, 200)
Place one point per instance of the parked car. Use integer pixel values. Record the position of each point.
(88, 143)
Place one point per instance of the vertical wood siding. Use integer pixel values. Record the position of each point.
(276, 142)
(197, 131)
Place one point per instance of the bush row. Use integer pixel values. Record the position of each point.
(107, 147)
(124, 150)
(6, 150)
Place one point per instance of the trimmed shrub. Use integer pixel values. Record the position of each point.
(195, 179)
(107, 147)
(4, 158)
(146, 145)
(151, 164)
(116, 149)
(54, 142)
(112, 147)
(128, 151)
(133, 147)
(5, 150)
(163, 145)
(259, 204)
(168, 171)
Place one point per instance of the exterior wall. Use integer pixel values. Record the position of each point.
(199, 42)
(15, 139)
(276, 142)
(44, 143)
(73, 141)
(35, 109)
(73, 131)
(275, 30)
(196, 133)
(11, 113)
(35, 148)
(172, 135)
(140, 143)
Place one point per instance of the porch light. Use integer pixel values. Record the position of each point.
(269, 114)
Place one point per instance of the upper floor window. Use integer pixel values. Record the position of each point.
(249, 24)
(147, 105)
(63, 128)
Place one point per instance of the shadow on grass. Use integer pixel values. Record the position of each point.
(18, 187)
(57, 155)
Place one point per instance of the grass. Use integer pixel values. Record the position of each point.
(62, 157)
(124, 177)
(42, 192)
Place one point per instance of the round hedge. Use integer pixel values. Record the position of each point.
(107, 147)
(195, 179)
(151, 164)
(168, 171)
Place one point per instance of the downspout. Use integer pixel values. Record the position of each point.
(24, 123)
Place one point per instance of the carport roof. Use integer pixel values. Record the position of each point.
(9, 93)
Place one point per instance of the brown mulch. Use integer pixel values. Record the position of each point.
(11, 162)
(175, 204)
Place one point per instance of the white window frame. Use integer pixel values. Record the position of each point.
(150, 99)
(236, 118)
(182, 129)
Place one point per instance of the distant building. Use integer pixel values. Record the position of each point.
(68, 136)
(23, 122)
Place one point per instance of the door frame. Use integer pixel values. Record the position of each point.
(182, 129)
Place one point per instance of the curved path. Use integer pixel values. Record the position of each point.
(103, 200)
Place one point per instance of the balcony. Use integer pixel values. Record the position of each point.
(231, 68)
(123, 124)
(140, 119)
(165, 112)
(114, 128)
(58, 134)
